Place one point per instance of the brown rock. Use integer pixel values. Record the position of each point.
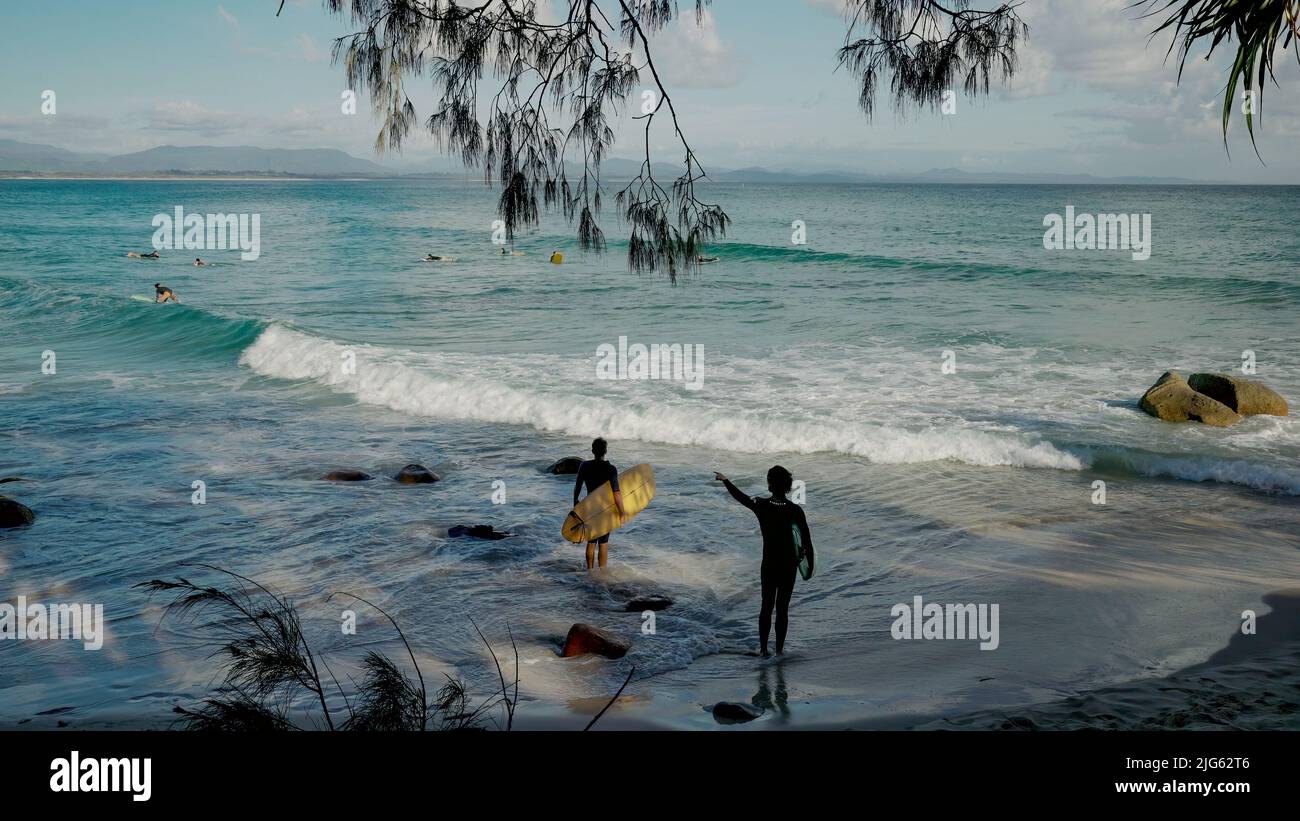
(416, 475)
(583, 639)
(1241, 395)
(347, 476)
(1173, 400)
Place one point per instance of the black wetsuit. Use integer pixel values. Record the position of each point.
(593, 473)
(777, 518)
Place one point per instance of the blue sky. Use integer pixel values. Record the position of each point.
(756, 85)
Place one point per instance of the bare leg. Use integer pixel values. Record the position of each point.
(591, 555)
(783, 615)
(765, 614)
(604, 553)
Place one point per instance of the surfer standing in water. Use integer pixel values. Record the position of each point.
(593, 473)
(778, 519)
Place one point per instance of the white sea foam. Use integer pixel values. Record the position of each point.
(447, 389)
(548, 393)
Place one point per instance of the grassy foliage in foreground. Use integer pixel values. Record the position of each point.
(269, 667)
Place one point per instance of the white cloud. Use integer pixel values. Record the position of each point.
(691, 54)
(230, 19)
(310, 52)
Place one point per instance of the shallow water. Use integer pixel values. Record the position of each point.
(974, 486)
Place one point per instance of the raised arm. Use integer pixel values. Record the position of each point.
(735, 492)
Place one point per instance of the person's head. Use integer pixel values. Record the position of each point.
(157, 285)
(599, 447)
(779, 480)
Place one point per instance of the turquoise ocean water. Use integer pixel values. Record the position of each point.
(974, 486)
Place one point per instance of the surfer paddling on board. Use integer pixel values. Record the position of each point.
(781, 522)
(594, 473)
(164, 294)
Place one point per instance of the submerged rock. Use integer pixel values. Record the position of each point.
(1241, 395)
(477, 532)
(642, 603)
(583, 639)
(15, 514)
(568, 464)
(1173, 400)
(735, 712)
(347, 476)
(414, 474)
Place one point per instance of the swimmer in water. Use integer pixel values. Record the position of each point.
(164, 294)
(150, 255)
(199, 262)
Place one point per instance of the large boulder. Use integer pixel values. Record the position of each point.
(347, 476)
(1173, 400)
(414, 474)
(15, 514)
(583, 639)
(1241, 395)
(568, 464)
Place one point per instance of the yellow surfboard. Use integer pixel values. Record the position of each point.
(597, 515)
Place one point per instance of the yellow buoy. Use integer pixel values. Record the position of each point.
(557, 258)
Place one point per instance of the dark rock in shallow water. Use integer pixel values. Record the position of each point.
(641, 604)
(347, 476)
(583, 639)
(735, 712)
(414, 474)
(15, 514)
(477, 532)
(567, 465)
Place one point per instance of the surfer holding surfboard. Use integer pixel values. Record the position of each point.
(594, 474)
(787, 550)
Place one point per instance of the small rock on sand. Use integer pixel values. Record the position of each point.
(735, 712)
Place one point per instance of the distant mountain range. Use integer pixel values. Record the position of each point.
(19, 158)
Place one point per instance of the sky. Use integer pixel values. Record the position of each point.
(755, 82)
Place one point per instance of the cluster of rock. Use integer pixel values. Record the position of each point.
(1217, 399)
(412, 474)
